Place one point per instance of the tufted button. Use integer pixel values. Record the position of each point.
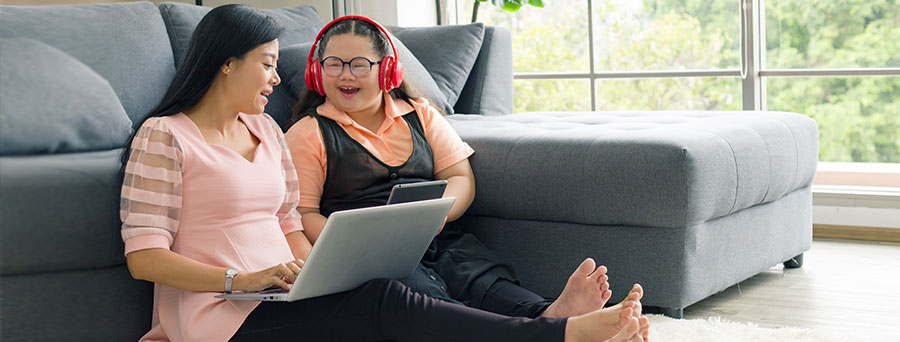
(393, 175)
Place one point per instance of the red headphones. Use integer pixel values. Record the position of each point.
(390, 71)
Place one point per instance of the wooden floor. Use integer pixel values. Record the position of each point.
(851, 286)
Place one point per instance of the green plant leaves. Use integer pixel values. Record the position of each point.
(514, 5)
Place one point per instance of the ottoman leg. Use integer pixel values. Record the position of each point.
(672, 312)
(795, 262)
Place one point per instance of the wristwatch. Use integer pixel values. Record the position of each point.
(229, 277)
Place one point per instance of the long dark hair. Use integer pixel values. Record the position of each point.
(228, 31)
(309, 100)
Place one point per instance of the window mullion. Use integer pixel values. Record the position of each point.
(590, 13)
(760, 18)
(752, 49)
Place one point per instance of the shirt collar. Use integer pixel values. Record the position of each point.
(393, 108)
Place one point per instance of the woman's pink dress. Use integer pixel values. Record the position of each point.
(210, 204)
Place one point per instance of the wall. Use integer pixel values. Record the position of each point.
(392, 12)
(387, 12)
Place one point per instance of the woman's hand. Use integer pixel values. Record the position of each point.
(279, 275)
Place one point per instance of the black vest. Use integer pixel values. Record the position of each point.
(356, 179)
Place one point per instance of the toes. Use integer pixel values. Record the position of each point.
(625, 316)
(634, 296)
(606, 295)
(599, 272)
(639, 290)
(628, 304)
(586, 268)
(645, 328)
(633, 302)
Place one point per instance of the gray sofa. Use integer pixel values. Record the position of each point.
(686, 203)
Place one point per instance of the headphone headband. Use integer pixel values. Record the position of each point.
(312, 50)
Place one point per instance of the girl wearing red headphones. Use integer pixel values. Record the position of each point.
(360, 130)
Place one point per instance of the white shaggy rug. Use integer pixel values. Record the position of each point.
(665, 329)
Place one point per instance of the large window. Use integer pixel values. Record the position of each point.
(845, 44)
(836, 61)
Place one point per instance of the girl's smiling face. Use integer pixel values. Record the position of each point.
(346, 91)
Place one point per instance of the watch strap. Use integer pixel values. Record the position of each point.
(229, 278)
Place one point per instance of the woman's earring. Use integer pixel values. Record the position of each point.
(227, 70)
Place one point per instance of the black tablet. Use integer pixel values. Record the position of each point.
(418, 191)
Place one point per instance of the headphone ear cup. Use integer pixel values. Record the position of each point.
(390, 73)
(396, 74)
(383, 70)
(314, 76)
(320, 85)
(310, 74)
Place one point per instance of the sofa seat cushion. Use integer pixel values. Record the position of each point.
(60, 212)
(640, 168)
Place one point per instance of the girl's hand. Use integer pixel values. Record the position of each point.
(279, 275)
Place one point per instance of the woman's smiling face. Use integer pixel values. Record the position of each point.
(253, 77)
(347, 91)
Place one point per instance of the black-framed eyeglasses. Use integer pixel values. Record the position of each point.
(359, 66)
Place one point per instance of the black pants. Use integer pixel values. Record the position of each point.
(385, 309)
(510, 299)
(460, 269)
(502, 297)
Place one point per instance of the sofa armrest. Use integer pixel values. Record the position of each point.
(489, 89)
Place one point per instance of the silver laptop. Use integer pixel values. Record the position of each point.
(359, 245)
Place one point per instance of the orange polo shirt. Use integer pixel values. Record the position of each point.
(392, 143)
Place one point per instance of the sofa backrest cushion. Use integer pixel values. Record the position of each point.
(489, 89)
(292, 69)
(125, 43)
(50, 102)
(447, 52)
(419, 79)
(301, 24)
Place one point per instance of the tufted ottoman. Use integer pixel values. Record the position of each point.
(686, 203)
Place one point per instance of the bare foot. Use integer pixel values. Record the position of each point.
(586, 291)
(610, 324)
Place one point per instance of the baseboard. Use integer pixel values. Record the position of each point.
(856, 233)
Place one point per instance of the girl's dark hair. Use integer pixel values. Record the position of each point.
(228, 31)
(309, 100)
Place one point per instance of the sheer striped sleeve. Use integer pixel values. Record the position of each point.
(288, 216)
(151, 190)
